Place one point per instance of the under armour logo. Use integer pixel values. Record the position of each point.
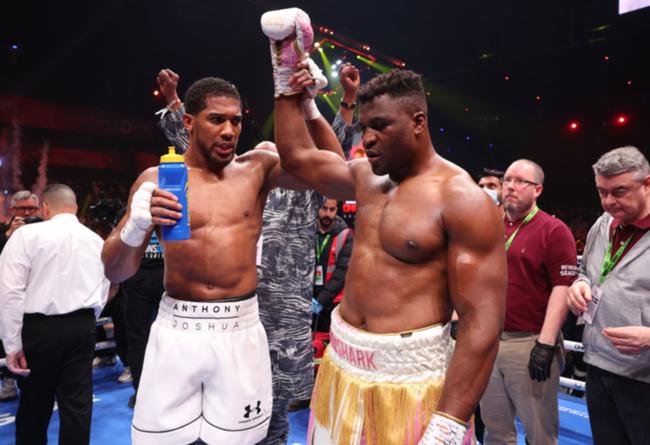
(249, 409)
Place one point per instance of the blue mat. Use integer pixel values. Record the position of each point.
(112, 417)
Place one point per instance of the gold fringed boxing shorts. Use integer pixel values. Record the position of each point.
(378, 389)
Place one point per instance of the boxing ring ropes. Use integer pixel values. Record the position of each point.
(565, 382)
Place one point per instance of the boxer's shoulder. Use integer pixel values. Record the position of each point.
(150, 174)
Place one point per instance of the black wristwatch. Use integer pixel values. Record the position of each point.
(349, 106)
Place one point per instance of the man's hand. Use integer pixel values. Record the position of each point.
(165, 208)
(16, 222)
(539, 365)
(17, 363)
(630, 340)
(350, 81)
(578, 297)
(168, 82)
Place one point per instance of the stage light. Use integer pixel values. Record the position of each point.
(506, 77)
(605, 58)
(629, 82)
(14, 47)
(574, 125)
(335, 73)
(316, 45)
(156, 93)
(467, 138)
(538, 98)
(338, 62)
(621, 119)
(334, 66)
(442, 130)
(490, 145)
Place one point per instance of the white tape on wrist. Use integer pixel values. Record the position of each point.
(443, 431)
(309, 109)
(139, 222)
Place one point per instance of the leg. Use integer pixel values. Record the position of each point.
(278, 431)
(614, 405)
(496, 407)
(120, 328)
(168, 406)
(74, 392)
(42, 352)
(142, 294)
(237, 401)
(536, 402)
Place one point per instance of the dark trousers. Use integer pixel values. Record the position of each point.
(618, 408)
(116, 309)
(59, 353)
(142, 293)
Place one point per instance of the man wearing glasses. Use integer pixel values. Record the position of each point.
(612, 293)
(541, 255)
(24, 204)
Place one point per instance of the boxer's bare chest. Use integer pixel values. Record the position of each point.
(404, 220)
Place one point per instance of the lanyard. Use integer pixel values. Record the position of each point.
(610, 261)
(321, 247)
(526, 220)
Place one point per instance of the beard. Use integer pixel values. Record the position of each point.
(325, 223)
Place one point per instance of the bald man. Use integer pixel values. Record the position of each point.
(52, 287)
(541, 255)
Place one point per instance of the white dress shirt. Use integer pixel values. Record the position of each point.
(52, 267)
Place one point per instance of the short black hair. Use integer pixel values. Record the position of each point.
(208, 86)
(491, 172)
(398, 84)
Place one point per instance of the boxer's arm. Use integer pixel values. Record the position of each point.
(324, 171)
(476, 265)
(121, 261)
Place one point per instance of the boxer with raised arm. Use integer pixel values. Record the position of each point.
(428, 241)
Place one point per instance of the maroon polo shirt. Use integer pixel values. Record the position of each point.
(619, 233)
(542, 255)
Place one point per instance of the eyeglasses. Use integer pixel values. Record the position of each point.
(26, 208)
(518, 183)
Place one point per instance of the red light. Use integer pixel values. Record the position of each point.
(506, 77)
(538, 97)
(156, 93)
(606, 58)
(574, 125)
(629, 82)
(621, 119)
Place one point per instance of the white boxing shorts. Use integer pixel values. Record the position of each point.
(206, 374)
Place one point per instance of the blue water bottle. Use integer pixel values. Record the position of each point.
(172, 176)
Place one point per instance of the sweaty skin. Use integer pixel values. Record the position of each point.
(427, 239)
(226, 196)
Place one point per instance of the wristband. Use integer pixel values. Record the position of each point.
(444, 429)
(348, 105)
(309, 109)
(132, 235)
